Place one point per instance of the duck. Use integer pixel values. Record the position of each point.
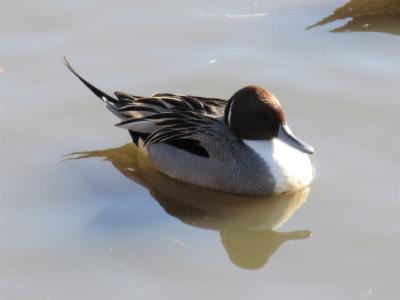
(242, 146)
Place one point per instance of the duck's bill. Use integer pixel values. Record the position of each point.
(286, 136)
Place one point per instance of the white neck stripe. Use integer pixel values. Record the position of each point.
(230, 113)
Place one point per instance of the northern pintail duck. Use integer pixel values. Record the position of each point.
(241, 146)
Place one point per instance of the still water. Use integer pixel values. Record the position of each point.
(84, 216)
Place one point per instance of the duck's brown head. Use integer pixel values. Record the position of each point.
(254, 113)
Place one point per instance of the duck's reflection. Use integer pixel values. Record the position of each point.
(246, 224)
(367, 15)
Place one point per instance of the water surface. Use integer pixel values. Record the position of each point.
(106, 226)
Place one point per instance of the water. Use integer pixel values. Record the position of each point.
(107, 226)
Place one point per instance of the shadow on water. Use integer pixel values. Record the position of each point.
(247, 225)
(367, 15)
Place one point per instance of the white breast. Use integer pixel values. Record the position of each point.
(291, 168)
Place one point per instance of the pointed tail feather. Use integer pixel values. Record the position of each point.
(111, 103)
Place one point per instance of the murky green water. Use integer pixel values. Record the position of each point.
(107, 226)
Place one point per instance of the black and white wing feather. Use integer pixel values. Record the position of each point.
(196, 133)
(187, 122)
(159, 103)
(126, 105)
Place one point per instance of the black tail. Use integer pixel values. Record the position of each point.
(114, 105)
(103, 96)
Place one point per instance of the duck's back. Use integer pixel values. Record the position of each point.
(133, 109)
